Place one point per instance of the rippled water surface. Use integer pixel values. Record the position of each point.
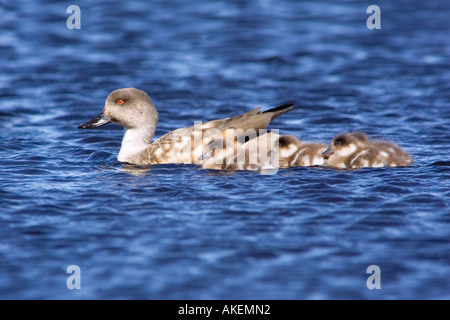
(179, 232)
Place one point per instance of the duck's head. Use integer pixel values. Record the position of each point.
(129, 107)
(343, 145)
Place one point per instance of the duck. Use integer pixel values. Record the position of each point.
(133, 109)
(354, 150)
(296, 153)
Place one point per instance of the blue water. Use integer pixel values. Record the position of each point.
(180, 232)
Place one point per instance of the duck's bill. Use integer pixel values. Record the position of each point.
(327, 153)
(98, 121)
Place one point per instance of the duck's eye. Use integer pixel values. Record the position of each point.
(120, 101)
(337, 143)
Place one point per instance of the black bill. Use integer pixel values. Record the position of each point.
(98, 121)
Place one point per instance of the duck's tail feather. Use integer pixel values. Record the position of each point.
(280, 110)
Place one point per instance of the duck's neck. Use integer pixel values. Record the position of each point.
(134, 143)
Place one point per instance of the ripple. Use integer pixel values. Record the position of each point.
(177, 231)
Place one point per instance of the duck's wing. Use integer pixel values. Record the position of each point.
(254, 119)
(186, 145)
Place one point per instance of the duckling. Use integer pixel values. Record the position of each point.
(354, 151)
(294, 153)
